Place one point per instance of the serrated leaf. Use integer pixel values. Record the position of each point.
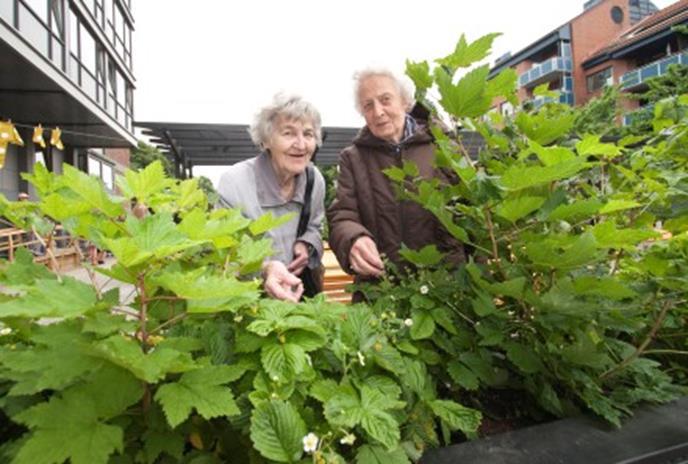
(144, 183)
(283, 361)
(577, 210)
(579, 251)
(151, 367)
(456, 416)
(517, 208)
(201, 389)
(419, 74)
(544, 128)
(551, 155)
(90, 190)
(524, 358)
(51, 298)
(521, 177)
(463, 376)
(466, 54)
(67, 429)
(613, 206)
(323, 390)
(370, 454)
(468, 98)
(602, 286)
(429, 255)
(277, 431)
(608, 235)
(423, 325)
(200, 286)
(268, 221)
(591, 145)
(23, 270)
(252, 253)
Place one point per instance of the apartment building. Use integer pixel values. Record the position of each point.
(611, 42)
(67, 64)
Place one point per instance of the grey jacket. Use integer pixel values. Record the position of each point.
(252, 186)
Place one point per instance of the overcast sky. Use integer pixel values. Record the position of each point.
(218, 61)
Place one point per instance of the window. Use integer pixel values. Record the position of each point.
(599, 80)
(102, 170)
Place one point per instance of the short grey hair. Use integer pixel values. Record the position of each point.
(403, 85)
(292, 107)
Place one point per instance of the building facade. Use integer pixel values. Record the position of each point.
(611, 42)
(67, 64)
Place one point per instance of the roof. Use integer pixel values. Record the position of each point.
(652, 27)
(192, 144)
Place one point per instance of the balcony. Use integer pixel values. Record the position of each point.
(546, 71)
(634, 80)
(564, 97)
(644, 113)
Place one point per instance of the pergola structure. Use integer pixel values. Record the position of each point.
(188, 145)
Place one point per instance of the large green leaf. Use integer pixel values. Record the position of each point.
(67, 429)
(277, 431)
(524, 358)
(427, 256)
(268, 221)
(201, 389)
(144, 183)
(151, 367)
(591, 145)
(602, 286)
(576, 252)
(577, 210)
(283, 361)
(51, 298)
(544, 128)
(370, 454)
(423, 325)
(198, 285)
(517, 208)
(90, 190)
(456, 416)
(419, 74)
(468, 98)
(466, 54)
(519, 177)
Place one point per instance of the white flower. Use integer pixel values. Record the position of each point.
(348, 439)
(5, 331)
(275, 378)
(424, 289)
(310, 442)
(361, 358)
(408, 322)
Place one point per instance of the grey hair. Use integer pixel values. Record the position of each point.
(403, 85)
(292, 107)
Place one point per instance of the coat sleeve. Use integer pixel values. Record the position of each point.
(343, 215)
(313, 233)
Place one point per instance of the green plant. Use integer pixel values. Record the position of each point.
(182, 361)
(573, 295)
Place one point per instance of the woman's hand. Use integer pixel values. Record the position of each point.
(301, 256)
(281, 284)
(364, 258)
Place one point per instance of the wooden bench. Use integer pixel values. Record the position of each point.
(64, 252)
(335, 278)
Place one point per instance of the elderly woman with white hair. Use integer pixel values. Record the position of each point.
(367, 220)
(282, 180)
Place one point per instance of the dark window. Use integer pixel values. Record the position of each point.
(617, 15)
(599, 79)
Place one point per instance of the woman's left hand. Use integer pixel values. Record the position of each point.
(300, 261)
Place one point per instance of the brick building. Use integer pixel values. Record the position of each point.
(67, 64)
(610, 42)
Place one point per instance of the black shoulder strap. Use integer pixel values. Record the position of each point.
(306, 210)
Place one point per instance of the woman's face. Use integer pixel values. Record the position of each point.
(383, 107)
(291, 145)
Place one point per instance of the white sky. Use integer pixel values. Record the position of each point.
(219, 61)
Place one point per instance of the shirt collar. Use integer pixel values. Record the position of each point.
(267, 186)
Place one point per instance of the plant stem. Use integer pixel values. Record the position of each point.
(120, 310)
(685, 353)
(641, 348)
(48, 251)
(169, 322)
(143, 313)
(495, 250)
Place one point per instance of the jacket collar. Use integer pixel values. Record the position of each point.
(267, 186)
(414, 133)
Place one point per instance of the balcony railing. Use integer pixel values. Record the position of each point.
(637, 77)
(644, 113)
(545, 71)
(564, 97)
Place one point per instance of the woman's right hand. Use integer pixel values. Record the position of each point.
(281, 284)
(364, 258)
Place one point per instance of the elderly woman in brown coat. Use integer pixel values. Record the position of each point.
(367, 220)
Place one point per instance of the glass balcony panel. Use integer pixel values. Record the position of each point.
(664, 64)
(7, 11)
(546, 67)
(649, 71)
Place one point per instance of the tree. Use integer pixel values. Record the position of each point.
(145, 154)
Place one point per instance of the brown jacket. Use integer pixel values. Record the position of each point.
(366, 203)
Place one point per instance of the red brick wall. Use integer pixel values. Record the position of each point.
(118, 155)
(591, 31)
